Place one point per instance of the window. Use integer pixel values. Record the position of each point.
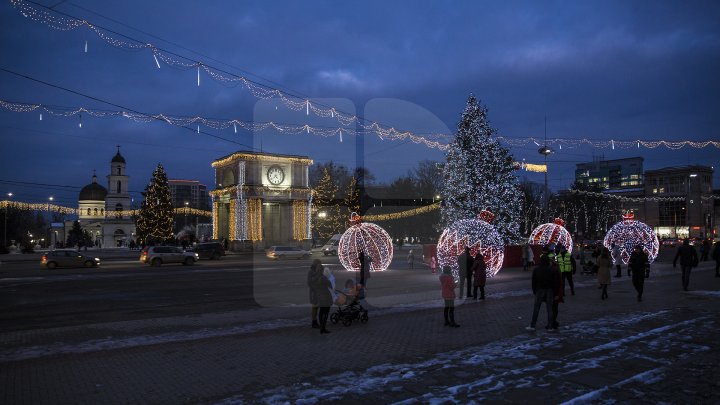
(118, 210)
(95, 212)
(88, 211)
(118, 187)
(119, 171)
(102, 211)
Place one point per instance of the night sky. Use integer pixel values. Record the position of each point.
(602, 70)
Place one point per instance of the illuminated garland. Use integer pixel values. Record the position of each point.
(254, 231)
(476, 234)
(74, 211)
(216, 220)
(629, 233)
(402, 214)
(552, 233)
(232, 190)
(368, 238)
(626, 199)
(232, 221)
(56, 20)
(299, 209)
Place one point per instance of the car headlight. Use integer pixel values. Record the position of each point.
(97, 259)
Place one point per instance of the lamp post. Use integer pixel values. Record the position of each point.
(545, 151)
(50, 200)
(186, 212)
(6, 215)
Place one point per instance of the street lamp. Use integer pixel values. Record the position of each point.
(545, 151)
(50, 200)
(6, 215)
(186, 212)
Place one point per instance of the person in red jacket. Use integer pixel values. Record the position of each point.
(447, 283)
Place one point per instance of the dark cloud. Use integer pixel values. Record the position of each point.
(601, 70)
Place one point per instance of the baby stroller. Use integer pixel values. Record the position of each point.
(349, 308)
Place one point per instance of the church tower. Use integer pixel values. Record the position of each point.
(117, 202)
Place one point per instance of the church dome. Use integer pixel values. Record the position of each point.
(93, 191)
(118, 158)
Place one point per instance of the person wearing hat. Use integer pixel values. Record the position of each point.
(637, 265)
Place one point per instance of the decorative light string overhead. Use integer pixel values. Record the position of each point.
(64, 22)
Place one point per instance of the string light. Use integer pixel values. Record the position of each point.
(216, 219)
(368, 238)
(85, 46)
(232, 221)
(300, 216)
(402, 214)
(552, 233)
(625, 199)
(56, 20)
(478, 235)
(254, 219)
(156, 61)
(629, 233)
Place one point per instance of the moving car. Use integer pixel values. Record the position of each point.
(159, 255)
(670, 242)
(68, 258)
(282, 252)
(209, 250)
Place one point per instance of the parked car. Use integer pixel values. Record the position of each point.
(283, 252)
(209, 250)
(68, 258)
(670, 242)
(159, 255)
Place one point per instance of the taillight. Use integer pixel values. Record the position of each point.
(44, 258)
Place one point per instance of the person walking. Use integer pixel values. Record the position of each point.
(688, 259)
(315, 272)
(530, 256)
(543, 289)
(716, 256)
(321, 286)
(479, 276)
(706, 246)
(637, 265)
(411, 259)
(447, 286)
(524, 256)
(565, 263)
(465, 262)
(617, 257)
(433, 265)
(604, 263)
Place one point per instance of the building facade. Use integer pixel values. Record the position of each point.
(261, 199)
(106, 212)
(618, 174)
(191, 192)
(680, 201)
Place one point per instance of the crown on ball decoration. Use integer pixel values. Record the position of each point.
(552, 233)
(365, 237)
(629, 233)
(477, 234)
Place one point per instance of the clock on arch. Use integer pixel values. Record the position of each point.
(275, 175)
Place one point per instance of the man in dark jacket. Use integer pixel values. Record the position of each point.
(688, 259)
(638, 264)
(543, 283)
(465, 263)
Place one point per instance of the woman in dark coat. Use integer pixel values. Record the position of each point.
(479, 276)
(320, 286)
(316, 270)
(637, 265)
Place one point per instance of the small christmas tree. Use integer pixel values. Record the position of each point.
(352, 197)
(480, 174)
(325, 208)
(154, 222)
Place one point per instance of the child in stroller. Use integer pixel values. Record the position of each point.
(349, 308)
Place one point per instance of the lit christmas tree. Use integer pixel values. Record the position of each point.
(155, 220)
(480, 174)
(325, 208)
(352, 197)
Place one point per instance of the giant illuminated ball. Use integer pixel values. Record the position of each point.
(477, 234)
(627, 234)
(368, 238)
(552, 233)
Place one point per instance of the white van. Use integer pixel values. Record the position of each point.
(331, 246)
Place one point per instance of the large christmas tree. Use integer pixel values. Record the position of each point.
(480, 174)
(325, 207)
(155, 220)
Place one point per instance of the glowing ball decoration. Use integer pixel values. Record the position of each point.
(365, 237)
(629, 233)
(477, 234)
(552, 233)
